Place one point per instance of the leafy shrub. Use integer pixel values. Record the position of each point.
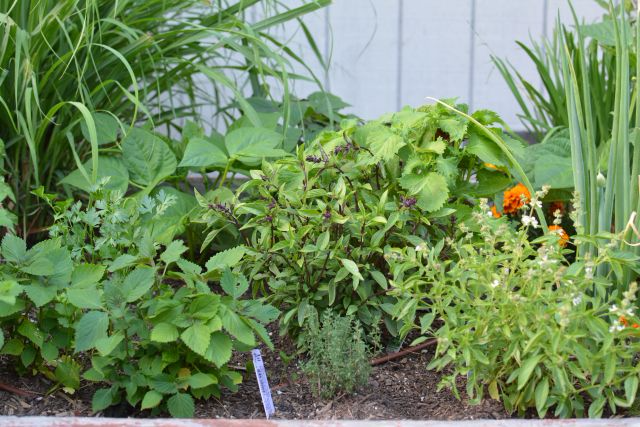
(520, 323)
(338, 354)
(321, 224)
(111, 286)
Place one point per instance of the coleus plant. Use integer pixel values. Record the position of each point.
(111, 287)
(322, 223)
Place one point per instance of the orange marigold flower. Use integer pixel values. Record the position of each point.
(495, 212)
(515, 198)
(623, 321)
(564, 237)
(635, 326)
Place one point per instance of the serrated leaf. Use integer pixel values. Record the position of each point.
(102, 399)
(150, 400)
(14, 249)
(228, 258)
(219, 350)
(181, 405)
(106, 345)
(88, 297)
(233, 285)
(233, 324)
(430, 189)
(173, 251)
(87, 274)
(164, 332)
(123, 261)
(90, 329)
(138, 282)
(40, 294)
(197, 337)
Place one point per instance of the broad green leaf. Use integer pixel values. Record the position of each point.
(106, 345)
(40, 293)
(68, 373)
(430, 189)
(106, 128)
(233, 285)
(233, 324)
(88, 297)
(112, 168)
(87, 274)
(123, 261)
(14, 249)
(138, 282)
(201, 380)
(228, 258)
(181, 405)
(250, 145)
(202, 153)
(90, 329)
(219, 350)
(102, 399)
(30, 330)
(164, 332)
(631, 388)
(197, 337)
(147, 157)
(150, 400)
(383, 143)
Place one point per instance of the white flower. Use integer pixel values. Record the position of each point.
(495, 283)
(421, 248)
(613, 308)
(535, 203)
(529, 221)
(577, 300)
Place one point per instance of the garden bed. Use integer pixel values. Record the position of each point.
(399, 389)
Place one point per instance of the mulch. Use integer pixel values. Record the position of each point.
(399, 389)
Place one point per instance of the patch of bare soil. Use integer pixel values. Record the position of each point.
(399, 389)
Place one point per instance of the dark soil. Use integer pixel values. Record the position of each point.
(399, 389)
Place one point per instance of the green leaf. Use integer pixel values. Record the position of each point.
(164, 332)
(102, 399)
(1, 339)
(526, 370)
(110, 167)
(106, 128)
(250, 145)
(40, 294)
(541, 395)
(197, 337)
(88, 297)
(87, 274)
(138, 282)
(201, 380)
(147, 157)
(233, 324)
(430, 189)
(233, 285)
(203, 153)
(219, 350)
(383, 143)
(228, 258)
(90, 329)
(596, 407)
(181, 405)
(14, 249)
(150, 400)
(172, 253)
(68, 373)
(631, 388)
(31, 331)
(123, 261)
(106, 345)
(352, 268)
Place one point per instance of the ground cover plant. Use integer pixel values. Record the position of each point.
(110, 299)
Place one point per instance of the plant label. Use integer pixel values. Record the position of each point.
(263, 383)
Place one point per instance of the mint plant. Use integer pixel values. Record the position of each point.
(321, 225)
(111, 287)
